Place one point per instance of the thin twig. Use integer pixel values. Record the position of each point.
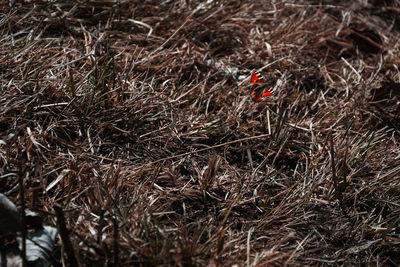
(72, 258)
(23, 221)
(116, 243)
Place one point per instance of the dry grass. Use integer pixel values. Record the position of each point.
(135, 118)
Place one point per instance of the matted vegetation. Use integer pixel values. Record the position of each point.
(135, 117)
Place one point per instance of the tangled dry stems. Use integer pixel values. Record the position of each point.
(135, 117)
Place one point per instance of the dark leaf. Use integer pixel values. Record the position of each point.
(40, 244)
(9, 219)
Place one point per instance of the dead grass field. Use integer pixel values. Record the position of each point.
(135, 117)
